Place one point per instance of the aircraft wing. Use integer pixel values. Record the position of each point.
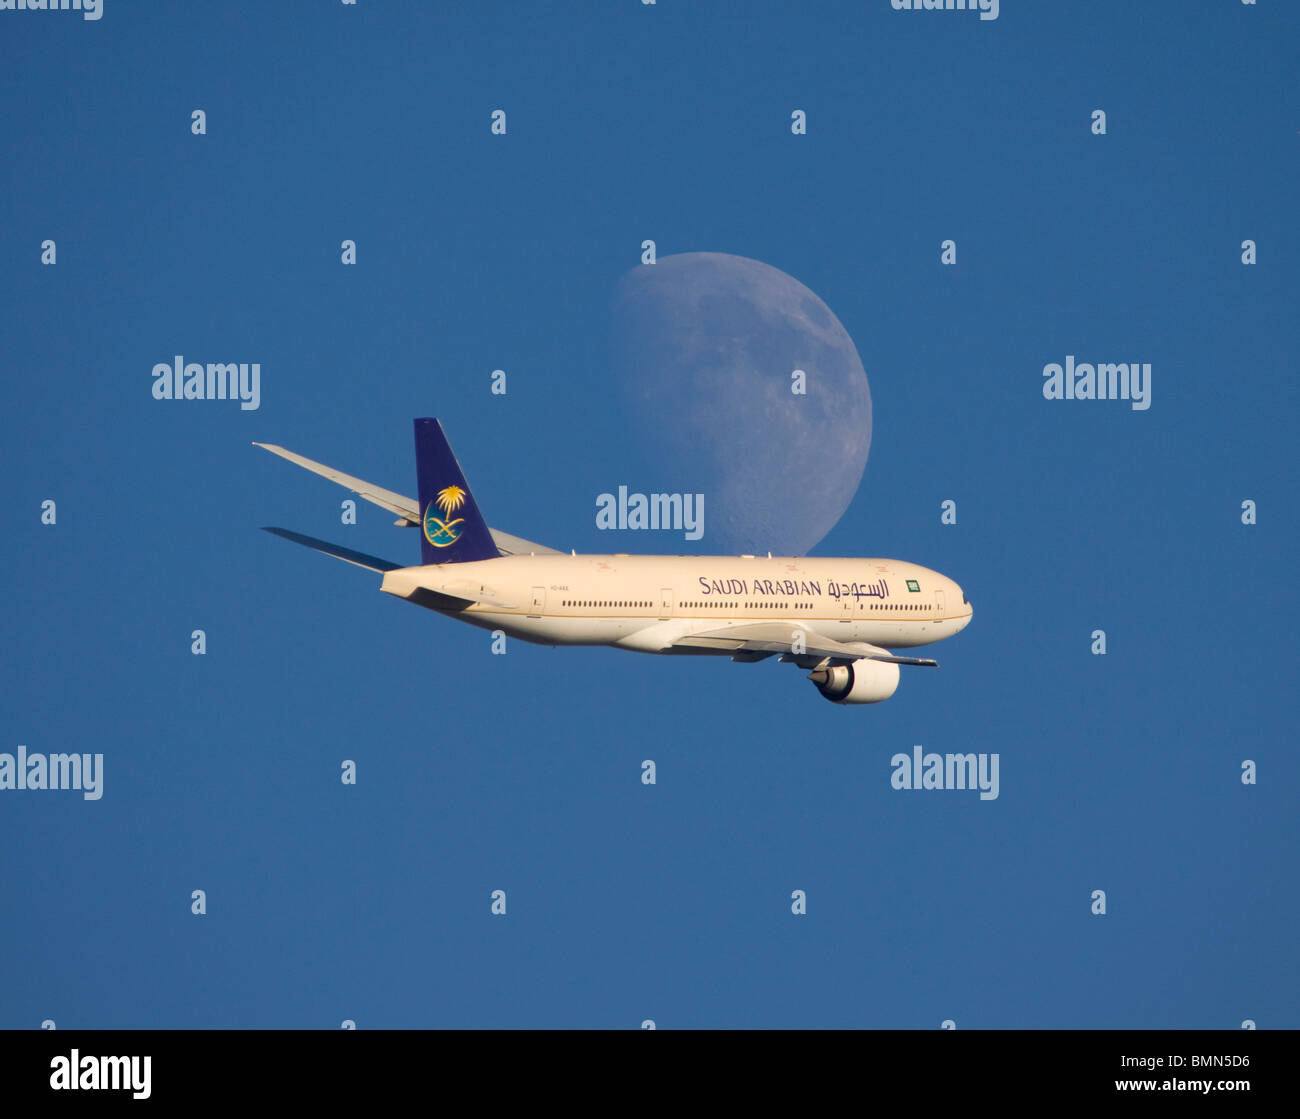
(794, 642)
(406, 508)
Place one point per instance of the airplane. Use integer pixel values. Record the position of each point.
(836, 618)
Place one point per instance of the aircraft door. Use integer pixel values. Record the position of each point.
(939, 609)
(665, 604)
(538, 606)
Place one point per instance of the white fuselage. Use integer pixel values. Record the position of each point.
(645, 603)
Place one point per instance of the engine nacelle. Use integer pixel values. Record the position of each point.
(863, 681)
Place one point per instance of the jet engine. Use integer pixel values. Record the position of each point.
(863, 681)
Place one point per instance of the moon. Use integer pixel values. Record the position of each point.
(709, 345)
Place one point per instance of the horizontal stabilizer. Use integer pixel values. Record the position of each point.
(371, 563)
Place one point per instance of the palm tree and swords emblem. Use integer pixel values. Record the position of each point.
(440, 533)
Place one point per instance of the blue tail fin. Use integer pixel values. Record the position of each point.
(452, 529)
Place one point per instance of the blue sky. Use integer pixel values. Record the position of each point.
(522, 772)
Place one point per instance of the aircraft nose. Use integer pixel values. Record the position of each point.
(970, 610)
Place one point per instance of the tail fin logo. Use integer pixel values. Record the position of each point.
(444, 533)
